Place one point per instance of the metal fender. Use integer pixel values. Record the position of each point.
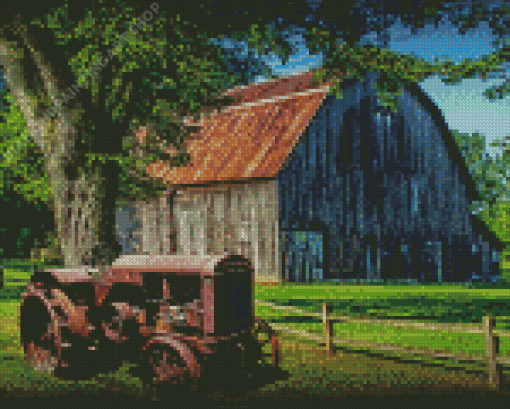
(74, 317)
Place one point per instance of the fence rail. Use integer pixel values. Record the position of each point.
(492, 335)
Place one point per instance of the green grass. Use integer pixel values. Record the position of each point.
(380, 292)
(473, 344)
(445, 304)
(14, 278)
(310, 367)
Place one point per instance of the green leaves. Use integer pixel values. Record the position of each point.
(21, 162)
(490, 173)
(354, 60)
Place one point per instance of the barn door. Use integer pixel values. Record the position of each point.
(303, 257)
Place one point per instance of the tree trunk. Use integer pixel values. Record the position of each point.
(85, 215)
(85, 205)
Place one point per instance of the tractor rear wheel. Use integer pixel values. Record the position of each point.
(50, 347)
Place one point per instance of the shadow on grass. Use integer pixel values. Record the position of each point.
(466, 367)
(438, 397)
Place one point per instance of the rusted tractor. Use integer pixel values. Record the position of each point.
(186, 321)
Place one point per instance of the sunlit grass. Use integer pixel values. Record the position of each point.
(443, 340)
(376, 292)
(311, 368)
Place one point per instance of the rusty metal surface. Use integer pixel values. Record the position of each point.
(177, 327)
(74, 316)
(251, 139)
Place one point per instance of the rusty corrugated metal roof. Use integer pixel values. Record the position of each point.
(250, 139)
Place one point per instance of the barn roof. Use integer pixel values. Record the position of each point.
(253, 137)
(250, 139)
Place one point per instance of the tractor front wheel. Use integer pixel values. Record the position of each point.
(39, 337)
(169, 363)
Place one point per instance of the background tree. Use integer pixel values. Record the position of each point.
(23, 186)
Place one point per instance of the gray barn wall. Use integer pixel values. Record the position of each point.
(240, 218)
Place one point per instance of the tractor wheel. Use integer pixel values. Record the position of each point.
(50, 347)
(39, 336)
(169, 364)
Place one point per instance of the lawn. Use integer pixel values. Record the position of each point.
(444, 304)
(312, 370)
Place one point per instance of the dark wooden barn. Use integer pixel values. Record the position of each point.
(368, 194)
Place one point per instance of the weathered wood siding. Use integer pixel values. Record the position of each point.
(382, 195)
(235, 218)
(239, 218)
(146, 228)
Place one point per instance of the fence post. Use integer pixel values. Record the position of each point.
(491, 344)
(275, 349)
(327, 326)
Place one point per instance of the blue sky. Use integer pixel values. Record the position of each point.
(464, 106)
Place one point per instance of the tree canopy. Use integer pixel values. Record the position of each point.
(85, 76)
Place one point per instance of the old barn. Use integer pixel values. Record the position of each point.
(312, 187)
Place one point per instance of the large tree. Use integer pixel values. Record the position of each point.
(87, 75)
(85, 79)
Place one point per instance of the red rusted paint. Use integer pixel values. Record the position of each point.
(76, 275)
(101, 291)
(207, 301)
(266, 119)
(271, 89)
(192, 315)
(75, 315)
(124, 275)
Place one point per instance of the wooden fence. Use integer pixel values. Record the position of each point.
(492, 335)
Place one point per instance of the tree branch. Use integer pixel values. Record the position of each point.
(49, 82)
